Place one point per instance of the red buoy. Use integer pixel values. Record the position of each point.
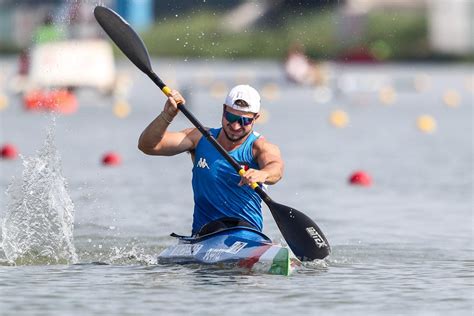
(360, 178)
(9, 151)
(111, 159)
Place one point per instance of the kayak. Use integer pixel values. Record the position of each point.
(234, 247)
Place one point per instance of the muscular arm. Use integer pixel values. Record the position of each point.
(156, 140)
(269, 160)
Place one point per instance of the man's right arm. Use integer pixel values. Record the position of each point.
(156, 140)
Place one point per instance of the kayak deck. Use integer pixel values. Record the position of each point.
(240, 247)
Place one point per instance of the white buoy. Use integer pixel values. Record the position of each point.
(451, 98)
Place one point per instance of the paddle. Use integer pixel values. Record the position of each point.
(301, 233)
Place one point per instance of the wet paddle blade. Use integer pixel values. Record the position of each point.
(301, 233)
(124, 37)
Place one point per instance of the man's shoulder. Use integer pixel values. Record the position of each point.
(260, 139)
(262, 144)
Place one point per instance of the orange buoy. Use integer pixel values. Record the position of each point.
(9, 151)
(426, 123)
(111, 159)
(61, 101)
(360, 178)
(339, 118)
(3, 101)
(121, 109)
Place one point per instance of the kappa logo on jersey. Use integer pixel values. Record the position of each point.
(202, 163)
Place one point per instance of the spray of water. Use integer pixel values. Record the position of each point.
(38, 224)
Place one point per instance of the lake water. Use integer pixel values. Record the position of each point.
(403, 246)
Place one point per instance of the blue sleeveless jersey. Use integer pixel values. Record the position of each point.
(215, 185)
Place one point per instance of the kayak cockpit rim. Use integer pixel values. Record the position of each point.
(193, 239)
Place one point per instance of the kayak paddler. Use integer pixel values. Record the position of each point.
(220, 194)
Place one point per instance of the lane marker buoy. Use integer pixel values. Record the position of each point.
(9, 151)
(387, 95)
(3, 101)
(111, 159)
(426, 123)
(361, 178)
(339, 118)
(121, 109)
(264, 117)
(451, 98)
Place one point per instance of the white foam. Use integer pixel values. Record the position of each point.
(38, 224)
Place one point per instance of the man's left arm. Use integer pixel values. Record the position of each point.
(269, 160)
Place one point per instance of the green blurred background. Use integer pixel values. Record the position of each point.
(345, 30)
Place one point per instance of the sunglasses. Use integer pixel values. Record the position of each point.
(243, 121)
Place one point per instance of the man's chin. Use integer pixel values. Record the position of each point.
(234, 138)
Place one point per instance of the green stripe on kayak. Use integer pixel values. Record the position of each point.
(281, 263)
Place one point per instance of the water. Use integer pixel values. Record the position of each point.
(38, 225)
(402, 246)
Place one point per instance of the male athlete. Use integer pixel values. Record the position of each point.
(222, 197)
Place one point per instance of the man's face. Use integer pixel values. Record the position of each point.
(237, 124)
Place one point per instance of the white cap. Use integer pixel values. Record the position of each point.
(246, 93)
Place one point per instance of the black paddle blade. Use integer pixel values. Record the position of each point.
(124, 37)
(301, 233)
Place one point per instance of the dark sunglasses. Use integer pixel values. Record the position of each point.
(243, 121)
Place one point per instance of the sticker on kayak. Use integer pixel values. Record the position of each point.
(185, 250)
(215, 254)
(236, 247)
(316, 237)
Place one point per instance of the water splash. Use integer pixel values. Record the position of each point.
(38, 225)
(135, 255)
